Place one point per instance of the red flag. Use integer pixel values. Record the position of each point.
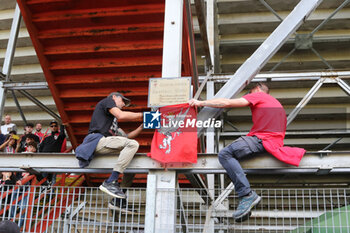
(176, 140)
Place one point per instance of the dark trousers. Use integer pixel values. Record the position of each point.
(243, 147)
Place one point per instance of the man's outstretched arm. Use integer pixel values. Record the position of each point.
(125, 115)
(220, 103)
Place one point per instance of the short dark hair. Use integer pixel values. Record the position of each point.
(13, 132)
(262, 87)
(29, 125)
(53, 122)
(33, 144)
(30, 136)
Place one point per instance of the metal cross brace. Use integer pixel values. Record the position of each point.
(313, 91)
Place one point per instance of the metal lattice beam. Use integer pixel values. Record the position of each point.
(10, 51)
(261, 56)
(203, 30)
(206, 164)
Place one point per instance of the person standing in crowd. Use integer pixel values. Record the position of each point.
(28, 130)
(38, 132)
(266, 135)
(8, 126)
(105, 137)
(53, 142)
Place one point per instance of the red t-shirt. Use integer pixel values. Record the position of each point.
(269, 124)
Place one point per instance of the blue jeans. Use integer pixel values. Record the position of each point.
(243, 147)
(20, 205)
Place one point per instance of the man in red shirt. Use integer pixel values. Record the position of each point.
(267, 134)
(38, 132)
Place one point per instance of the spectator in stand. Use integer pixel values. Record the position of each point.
(29, 138)
(9, 146)
(54, 142)
(7, 180)
(38, 132)
(8, 126)
(28, 130)
(32, 147)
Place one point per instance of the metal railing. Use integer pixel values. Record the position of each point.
(87, 209)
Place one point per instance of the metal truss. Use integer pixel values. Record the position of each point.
(260, 57)
(7, 85)
(304, 41)
(10, 51)
(199, 4)
(313, 91)
(278, 77)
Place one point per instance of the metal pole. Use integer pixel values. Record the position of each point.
(18, 106)
(283, 59)
(322, 59)
(343, 85)
(329, 17)
(150, 203)
(295, 76)
(210, 140)
(192, 43)
(26, 85)
(165, 216)
(270, 9)
(261, 56)
(172, 39)
(40, 105)
(212, 30)
(10, 52)
(209, 226)
(203, 31)
(332, 144)
(305, 100)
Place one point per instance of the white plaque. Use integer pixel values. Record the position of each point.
(168, 91)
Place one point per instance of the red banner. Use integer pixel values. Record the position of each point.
(176, 140)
